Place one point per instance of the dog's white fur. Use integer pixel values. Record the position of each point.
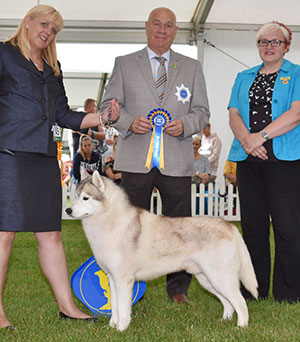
(131, 244)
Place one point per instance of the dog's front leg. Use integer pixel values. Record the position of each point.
(123, 287)
(113, 302)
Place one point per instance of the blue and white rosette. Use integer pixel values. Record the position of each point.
(158, 119)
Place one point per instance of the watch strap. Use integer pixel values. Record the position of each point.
(264, 135)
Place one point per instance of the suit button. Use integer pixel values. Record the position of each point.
(44, 117)
(42, 81)
(43, 99)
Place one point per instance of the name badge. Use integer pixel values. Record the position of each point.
(57, 133)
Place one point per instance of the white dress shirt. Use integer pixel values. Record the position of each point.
(155, 63)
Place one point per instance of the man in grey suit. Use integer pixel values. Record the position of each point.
(184, 98)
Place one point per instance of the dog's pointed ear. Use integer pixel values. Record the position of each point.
(84, 174)
(98, 180)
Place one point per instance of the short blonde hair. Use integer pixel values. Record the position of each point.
(274, 26)
(19, 38)
(197, 139)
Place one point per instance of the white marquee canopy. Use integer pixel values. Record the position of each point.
(229, 25)
(123, 20)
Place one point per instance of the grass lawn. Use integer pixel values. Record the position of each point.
(31, 307)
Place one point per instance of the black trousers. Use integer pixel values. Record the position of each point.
(272, 190)
(175, 193)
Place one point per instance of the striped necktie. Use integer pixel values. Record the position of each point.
(161, 78)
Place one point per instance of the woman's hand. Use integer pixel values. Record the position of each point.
(252, 141)
(204, 176)
(114, 110)
(252, 144)
(260, 152)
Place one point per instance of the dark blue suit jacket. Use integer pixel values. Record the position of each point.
(30, 103)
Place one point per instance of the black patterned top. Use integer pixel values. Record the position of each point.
(260, 98)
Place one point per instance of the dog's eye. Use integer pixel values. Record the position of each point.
(85, 198)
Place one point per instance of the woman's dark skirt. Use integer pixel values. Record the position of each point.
(30, 193)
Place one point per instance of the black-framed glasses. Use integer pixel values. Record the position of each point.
(273, 42)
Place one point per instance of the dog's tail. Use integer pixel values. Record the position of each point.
(247, 274)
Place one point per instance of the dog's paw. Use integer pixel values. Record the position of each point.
(242, 324)
(242, 320)
(112, 323)
(123, 325)
(227, 315)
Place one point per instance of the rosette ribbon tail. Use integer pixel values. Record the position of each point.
(150, 152)
(158, 153)
(161, 155)
(156, 149)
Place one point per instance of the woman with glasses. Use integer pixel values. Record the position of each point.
(264, 115)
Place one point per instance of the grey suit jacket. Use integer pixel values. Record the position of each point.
(132, 84)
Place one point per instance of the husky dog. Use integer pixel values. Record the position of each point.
(130, 244)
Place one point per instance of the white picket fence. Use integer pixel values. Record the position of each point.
(214, 201)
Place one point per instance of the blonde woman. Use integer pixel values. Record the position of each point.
(86, 159)
(202, 169)
(32, 105)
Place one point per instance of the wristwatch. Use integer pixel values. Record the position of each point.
(264, 135)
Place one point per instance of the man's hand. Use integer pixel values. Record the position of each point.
(175, 128)
(140, 125)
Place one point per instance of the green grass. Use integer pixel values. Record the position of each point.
(31, 307)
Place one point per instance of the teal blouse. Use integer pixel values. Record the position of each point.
(286, 90)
